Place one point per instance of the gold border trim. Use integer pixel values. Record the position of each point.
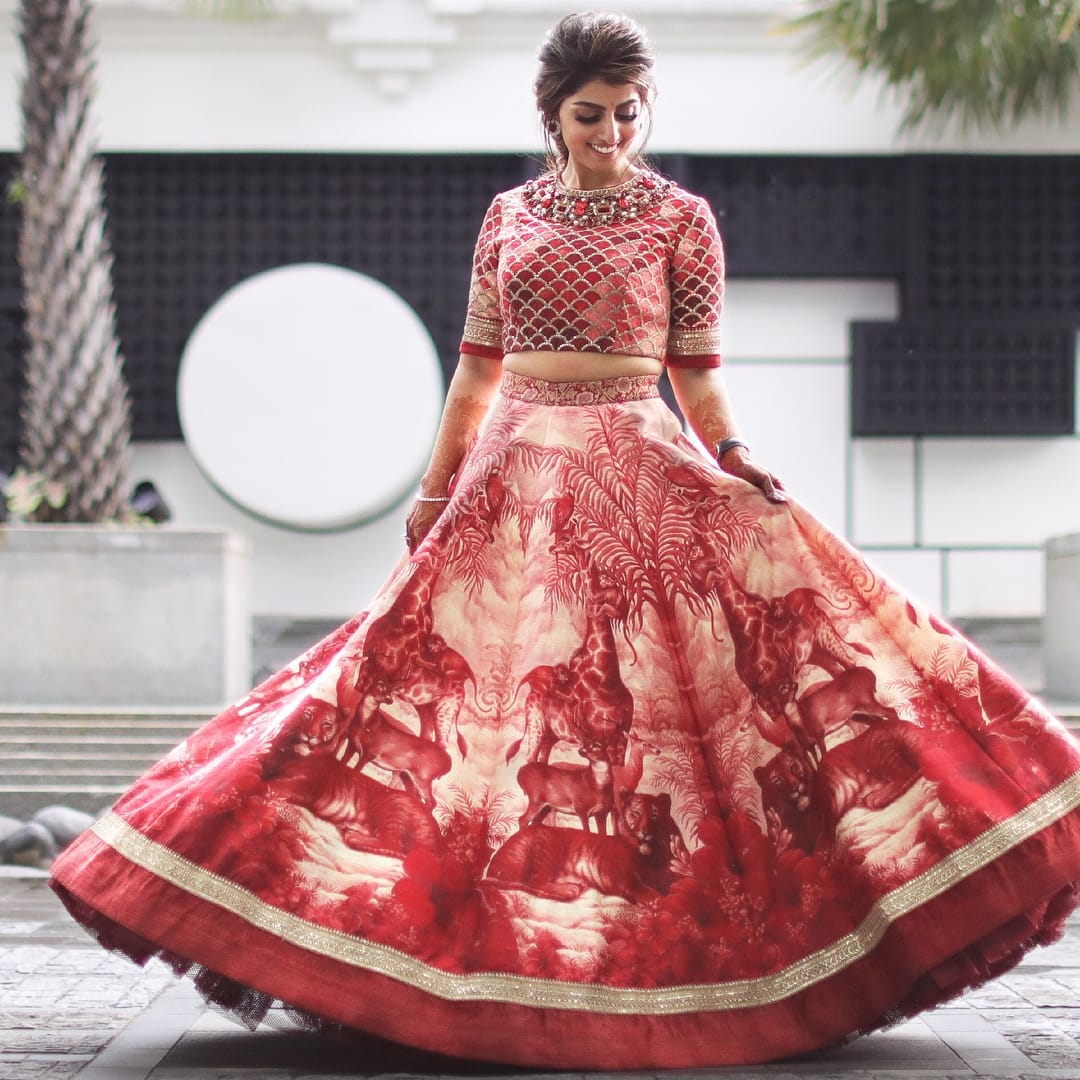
(692, 342)
(551, 994)
(481, 331)
(622, 389)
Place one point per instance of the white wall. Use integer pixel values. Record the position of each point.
(456, 74)
(292, 573)
(959, 522)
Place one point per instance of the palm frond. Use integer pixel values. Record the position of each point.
(733, 761)
(675, 772)
(988, 64)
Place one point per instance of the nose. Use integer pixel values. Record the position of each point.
(609, 131)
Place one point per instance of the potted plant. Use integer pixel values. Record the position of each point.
(100, 611)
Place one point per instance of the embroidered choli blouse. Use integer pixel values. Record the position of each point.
(636, 270)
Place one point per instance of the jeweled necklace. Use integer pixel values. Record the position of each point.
(547, 198)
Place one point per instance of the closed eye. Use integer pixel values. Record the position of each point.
(625, 119)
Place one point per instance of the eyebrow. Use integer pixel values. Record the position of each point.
(593, 105)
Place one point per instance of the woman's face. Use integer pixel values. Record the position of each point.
(601, 125)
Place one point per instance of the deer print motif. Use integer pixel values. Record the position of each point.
(585, 790)
(774, 639)
(585, 697)
(417, 762)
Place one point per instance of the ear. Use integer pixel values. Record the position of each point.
(664, 802)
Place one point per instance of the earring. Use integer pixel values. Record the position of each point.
(554, 127)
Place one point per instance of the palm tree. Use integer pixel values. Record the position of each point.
(637, 514)
(989, 64)
(76, 409)
(623, 509)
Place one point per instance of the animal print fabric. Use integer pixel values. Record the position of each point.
(649, 286)
(625, 767)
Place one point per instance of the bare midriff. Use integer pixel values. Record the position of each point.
(578, 366)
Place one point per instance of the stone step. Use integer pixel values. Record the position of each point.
(26, 761)
(83, 757)
(145, 730)
(29, 728)
(22, 802)
(1068, 712)
(13, 718)
(112, 746)
(59, 776)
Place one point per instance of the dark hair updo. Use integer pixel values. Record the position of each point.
(583, 48)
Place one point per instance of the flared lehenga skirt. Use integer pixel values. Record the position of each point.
(625, 767)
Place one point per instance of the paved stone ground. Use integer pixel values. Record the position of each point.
(69, 1009)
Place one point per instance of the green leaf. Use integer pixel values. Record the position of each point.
(54, 493)
(25, 492)
(986, 64)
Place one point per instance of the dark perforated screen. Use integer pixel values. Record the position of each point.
(948, 378)
(970, 240)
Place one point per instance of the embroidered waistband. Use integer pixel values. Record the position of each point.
(592, 392)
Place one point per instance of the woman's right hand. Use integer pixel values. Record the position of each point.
(418, 524)
(467, 398)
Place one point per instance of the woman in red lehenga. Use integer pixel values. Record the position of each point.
(632, 763)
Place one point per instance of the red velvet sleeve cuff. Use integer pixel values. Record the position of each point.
(471, 348)
(701, 360)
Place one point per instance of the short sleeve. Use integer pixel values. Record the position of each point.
(697, 291)
(483, 322)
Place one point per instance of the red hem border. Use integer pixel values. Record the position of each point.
(972, 932)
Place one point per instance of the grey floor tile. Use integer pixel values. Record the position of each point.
(108, 1072)
(215, 1073)
(132, 1057)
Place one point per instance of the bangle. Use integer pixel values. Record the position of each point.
(724, 445)
(433, 498)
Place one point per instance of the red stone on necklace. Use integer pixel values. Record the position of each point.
(607, 205)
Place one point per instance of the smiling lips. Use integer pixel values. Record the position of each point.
(604, 149)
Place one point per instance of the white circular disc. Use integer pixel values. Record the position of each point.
(309, 395)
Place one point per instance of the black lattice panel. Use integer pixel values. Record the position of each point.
(923, 378)
(11, 353)
(806, 216)
(186, 228)
(995, 236)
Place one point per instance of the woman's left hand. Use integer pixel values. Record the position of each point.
(418, 524)
(737, 462)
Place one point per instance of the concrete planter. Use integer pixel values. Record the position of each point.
(108, 616)
(1061, 629)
